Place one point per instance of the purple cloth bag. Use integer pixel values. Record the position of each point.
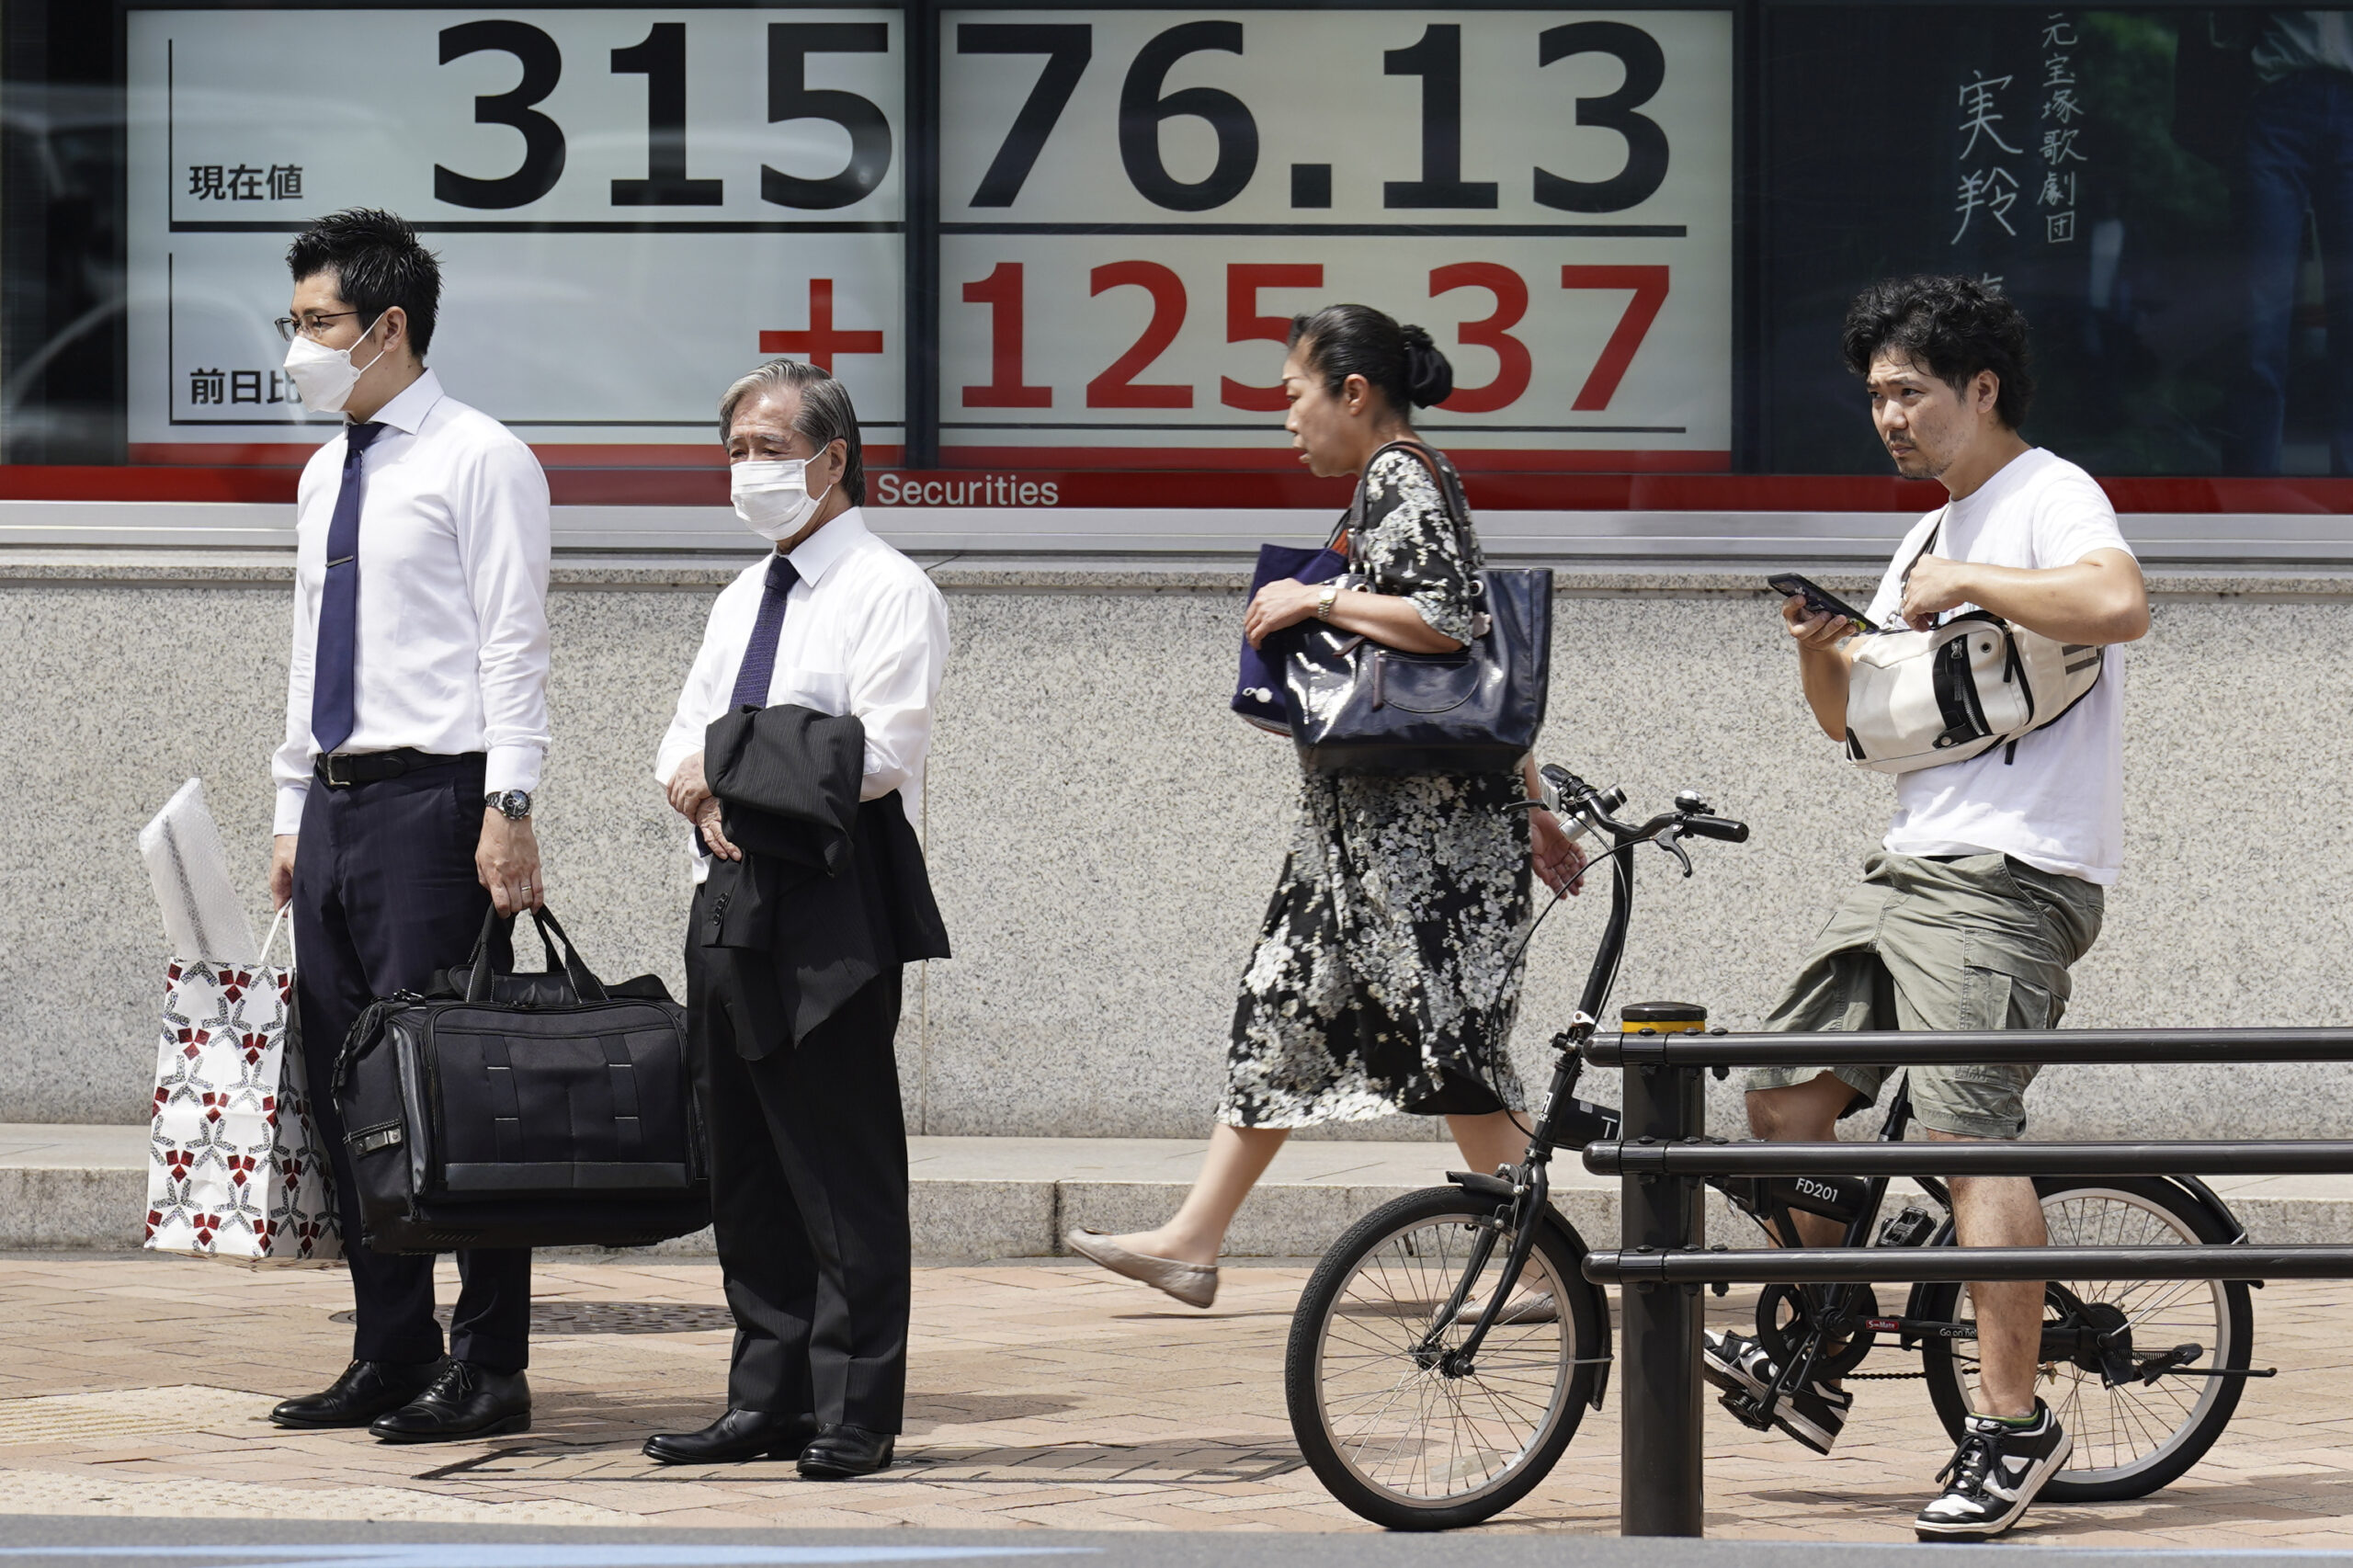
(1258, 689)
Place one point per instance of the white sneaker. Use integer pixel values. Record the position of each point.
(1995, 1473)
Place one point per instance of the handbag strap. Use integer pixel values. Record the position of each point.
(1926, 545)
(279, 922)
(1343, 534)
(478, 976)
(1456, 505)
(584, 986)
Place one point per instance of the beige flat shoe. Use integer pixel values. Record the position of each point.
(1192, 1283)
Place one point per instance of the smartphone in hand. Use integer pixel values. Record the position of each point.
(1819, 599)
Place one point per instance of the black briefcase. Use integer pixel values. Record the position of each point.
(520, 1110)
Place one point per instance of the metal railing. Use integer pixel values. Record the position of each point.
(1663, 1159)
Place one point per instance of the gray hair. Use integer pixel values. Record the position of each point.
(823, 414)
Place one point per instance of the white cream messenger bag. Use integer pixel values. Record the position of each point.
(1920, 699)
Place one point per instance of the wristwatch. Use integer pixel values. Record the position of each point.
(513, 804)
(1324, 601)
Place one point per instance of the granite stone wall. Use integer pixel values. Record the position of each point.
(1104, 834)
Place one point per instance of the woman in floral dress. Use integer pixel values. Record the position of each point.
(1381, 980)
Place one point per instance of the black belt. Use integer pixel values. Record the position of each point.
(340, 770)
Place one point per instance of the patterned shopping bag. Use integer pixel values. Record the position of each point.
(236, 1169)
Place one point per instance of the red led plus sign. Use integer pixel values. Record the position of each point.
(821, 342)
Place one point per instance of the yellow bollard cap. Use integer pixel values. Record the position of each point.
(1663, 1018)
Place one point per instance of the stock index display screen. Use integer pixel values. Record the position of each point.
(632, 205)
(1067, 241)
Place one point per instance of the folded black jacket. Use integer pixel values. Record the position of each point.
(830, 890)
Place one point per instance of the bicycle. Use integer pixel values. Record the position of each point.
(1431, 1385)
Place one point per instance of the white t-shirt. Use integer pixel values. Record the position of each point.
(2060, 805)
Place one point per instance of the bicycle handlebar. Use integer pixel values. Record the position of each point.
(1691, 818)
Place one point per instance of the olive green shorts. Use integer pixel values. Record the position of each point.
(1977, 942)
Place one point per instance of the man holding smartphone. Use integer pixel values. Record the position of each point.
(1991, 881)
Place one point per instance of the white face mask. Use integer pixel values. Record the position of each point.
(325, 375)
(772, 497)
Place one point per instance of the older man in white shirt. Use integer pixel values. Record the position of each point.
(809, 1158)
(416, 721)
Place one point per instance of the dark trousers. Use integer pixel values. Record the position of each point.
(809, 1204)
(384, 894)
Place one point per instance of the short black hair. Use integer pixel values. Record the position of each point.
(1401, 363)
(378, 263)
(1953, 326)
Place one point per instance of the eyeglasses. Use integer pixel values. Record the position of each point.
(310, 325)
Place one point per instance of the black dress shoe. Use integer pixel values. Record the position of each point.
(366, 1389)
(466, 1401)
(737, 1435)
(838, 1452)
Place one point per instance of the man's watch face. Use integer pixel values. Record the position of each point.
(515, 804)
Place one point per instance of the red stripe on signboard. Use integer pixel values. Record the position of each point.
(43, 481)
(188, 457)
(574, 483)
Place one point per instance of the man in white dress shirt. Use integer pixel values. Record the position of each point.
(416, 722)
(808, 1157)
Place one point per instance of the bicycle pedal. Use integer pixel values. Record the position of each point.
(1746, 1410)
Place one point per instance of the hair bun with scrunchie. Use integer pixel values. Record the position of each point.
(1428, 377)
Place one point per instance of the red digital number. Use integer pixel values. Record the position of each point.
(1117, 387)
(1001, 291)
(1513, 366)
(1242, 324)
(1648, 286)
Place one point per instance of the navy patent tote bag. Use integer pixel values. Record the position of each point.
(1356, 706)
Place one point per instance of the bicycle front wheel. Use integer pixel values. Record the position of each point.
(1391, 1427)
(2135, 1437)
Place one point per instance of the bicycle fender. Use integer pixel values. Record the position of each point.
(1503, 1192)
(2227, 1225)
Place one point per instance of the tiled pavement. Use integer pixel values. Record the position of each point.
(1044, 1395)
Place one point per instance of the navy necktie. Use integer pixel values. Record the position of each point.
(334, 709)
(760, 654)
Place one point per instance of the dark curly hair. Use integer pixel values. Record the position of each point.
(1401, 363)
(1952, 327)
(378, 263)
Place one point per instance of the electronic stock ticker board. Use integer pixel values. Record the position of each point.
(633, 206)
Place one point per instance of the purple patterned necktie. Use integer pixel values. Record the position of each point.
(334, 706)
(759, 656)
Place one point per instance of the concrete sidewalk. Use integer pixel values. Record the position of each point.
(1041, 1394)
(995, 1198)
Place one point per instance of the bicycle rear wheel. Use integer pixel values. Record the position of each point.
(1382, 1423)
(2134, 1438)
